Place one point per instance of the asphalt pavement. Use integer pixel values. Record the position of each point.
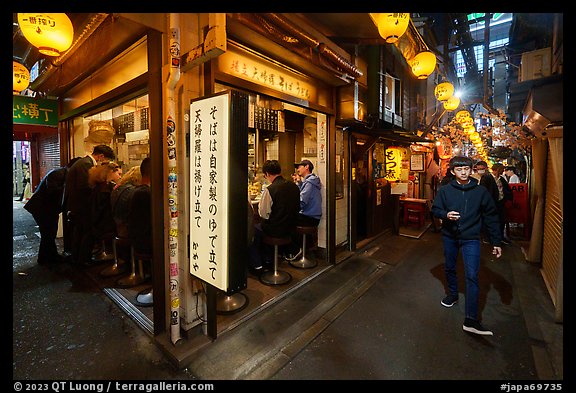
(387, 326)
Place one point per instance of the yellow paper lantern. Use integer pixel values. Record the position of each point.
(462, 115)
(423, 64)
(444, 91)
(452, 103)
(52, 34)
(20, 77)
(392, 26)
(469, 129)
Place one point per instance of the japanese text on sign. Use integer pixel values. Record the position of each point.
(393, 164)
(30, 110)
(266, 74)
(208, 195)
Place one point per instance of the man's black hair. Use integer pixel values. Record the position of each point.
(105, 150)
(145, 169)
(459, 161)
(271, 167)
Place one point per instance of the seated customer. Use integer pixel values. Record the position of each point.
(278, 209)
(120, 198)
(139, 214)
(310, 204)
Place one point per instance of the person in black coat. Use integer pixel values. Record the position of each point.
(140, 214)
(278, 210)
(77, 199)
(45, 205)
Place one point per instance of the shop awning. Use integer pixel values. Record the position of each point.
(394, 135)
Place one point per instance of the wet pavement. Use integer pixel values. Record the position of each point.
(392, 328)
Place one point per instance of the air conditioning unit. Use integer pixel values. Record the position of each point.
(535, 64)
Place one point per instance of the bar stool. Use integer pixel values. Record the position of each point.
(116, 268)
(304, 262)
(145, 297)
(230, 303)
(135, 277)
(103, 255)
(276, 277)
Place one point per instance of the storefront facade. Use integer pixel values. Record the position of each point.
(138, 98)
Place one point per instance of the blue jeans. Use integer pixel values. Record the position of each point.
(471, 257)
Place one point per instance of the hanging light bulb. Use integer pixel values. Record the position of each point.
(52, 34)
(392, 26)
(452, 103)
(443, 91)
(20, 77)
(423, 64)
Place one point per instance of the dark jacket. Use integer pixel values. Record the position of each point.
(140, 219)
(47, 199)
(488, 181)
(120, 201)
(285, 207)
(476, 207)
(77, 192)
(101, 213)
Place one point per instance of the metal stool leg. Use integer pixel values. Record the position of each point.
(134, 278)
(116, 267)
(304, 262)
(276, 277)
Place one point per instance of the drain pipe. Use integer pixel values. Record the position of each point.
(171, 138)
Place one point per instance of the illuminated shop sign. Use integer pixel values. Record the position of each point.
(30, 110)
(393, 163)
(264, 73)
(209, 123)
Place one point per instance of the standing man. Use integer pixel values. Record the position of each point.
(463, 207)
(504, 195)
(77, 199)
(45, 205)
(310, 202)
(278, 209)
(511, 176)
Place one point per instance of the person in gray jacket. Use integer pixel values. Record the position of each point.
(310, 204)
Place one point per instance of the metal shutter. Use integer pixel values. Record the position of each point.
(552, 232)
(49, 152)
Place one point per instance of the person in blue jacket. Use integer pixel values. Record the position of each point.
(464, 206)
(310, 203)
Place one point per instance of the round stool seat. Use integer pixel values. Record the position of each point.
(306, 230)
(276, 277)
(276, 241)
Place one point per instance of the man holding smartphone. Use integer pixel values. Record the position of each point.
(463, 206)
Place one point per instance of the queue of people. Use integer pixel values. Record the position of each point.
(96, 201)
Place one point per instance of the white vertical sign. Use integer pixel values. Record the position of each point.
(321, 132)
(209, 123)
